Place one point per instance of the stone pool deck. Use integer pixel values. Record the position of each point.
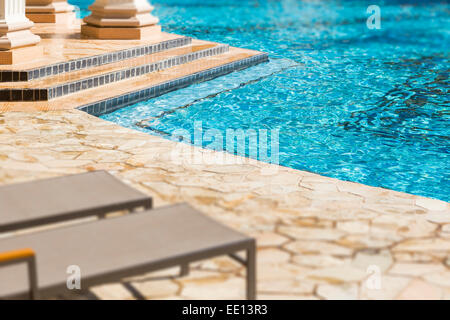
(318, 238)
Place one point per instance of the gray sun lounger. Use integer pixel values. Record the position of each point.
(110, 249)
(35, 203)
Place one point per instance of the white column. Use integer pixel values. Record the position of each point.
(14, 26)
(11, 10)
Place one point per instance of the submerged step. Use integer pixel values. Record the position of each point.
(111, 104)
(80, 82)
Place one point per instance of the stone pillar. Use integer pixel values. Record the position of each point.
(120, 19)
(17, 42)
(50, 11)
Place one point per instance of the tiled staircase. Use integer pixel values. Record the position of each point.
(100, 83)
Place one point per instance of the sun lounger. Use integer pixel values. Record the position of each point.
(31, 204)
(110, 249)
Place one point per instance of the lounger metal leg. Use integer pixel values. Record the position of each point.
(26, 256)
(184, 270)
(32, 276)
(250, 264)
(251, 273)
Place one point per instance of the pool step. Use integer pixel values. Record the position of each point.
(72, 59)
(116, 95)
(97, 77)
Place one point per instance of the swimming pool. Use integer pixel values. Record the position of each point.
(370, 106)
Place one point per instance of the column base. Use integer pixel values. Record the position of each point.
(17, 39)
(114, 33)
(20, 55)
(136, 21)
(57, 17)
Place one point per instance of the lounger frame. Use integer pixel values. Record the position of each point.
(140, 201)
(232, 244)
(249, 262)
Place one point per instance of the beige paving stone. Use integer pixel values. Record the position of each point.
(392, 208)
(408, 257)
(344, 214)
(347, 291)
(337, 275)
(440, 279)
(232, 200)
(214, 288)
(423, 245)
(390, 288)
(138, 160)
(366, 191)
(433, 204)
(340, 199)
(354, 227)
(15, 165)
(446, 294)
(287, 192)
(112, 167)
(104, 156)
(367, 258)
(203, 276)
(311, 233)
(283, 176)
(115, 291)
(280, 272)
(446, 228)
(308, 222)
(318, 261)
(269, 239)
(164, 189)
(207, 197)
(220, 264)
(290, 199)
(367, 241)
(413, 226)
(67, 163)
(382, 233)
(155, 289)
(21, 156)
(416, 269)
(131, 145)
(273, 256)
(420, 290)
(438, 216)
(285, 286)
(321, 186)
(319, 248)
(230, 169)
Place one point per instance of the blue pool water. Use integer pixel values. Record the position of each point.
(370, 106)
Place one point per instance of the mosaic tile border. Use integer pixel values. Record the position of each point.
(91, 62)
(112, 104)
(45, 94)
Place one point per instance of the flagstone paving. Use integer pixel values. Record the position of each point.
(318, 238)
